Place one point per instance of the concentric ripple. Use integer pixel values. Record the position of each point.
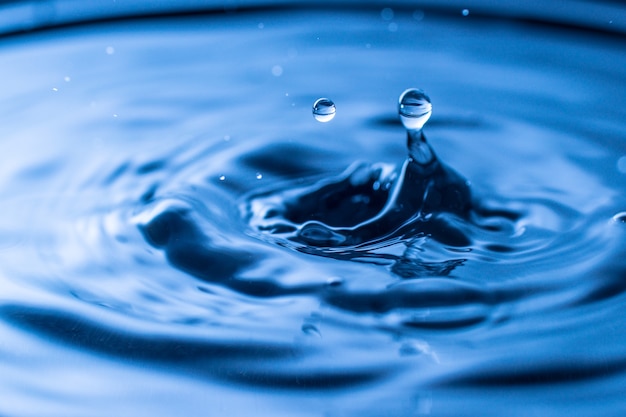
(177, 228)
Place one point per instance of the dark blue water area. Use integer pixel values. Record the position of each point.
(179, 234)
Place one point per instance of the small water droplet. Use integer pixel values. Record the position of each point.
(109, 50)
(620, 217)
(114, 115)
(386, 13)
(67, 79)
(222, 177)
(393, 27)
(226, 138)
(261, 25)
(465, 12)
(55, 89)
(415, 108)
(259, 176)
(324, 110)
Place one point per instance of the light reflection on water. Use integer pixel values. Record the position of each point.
(132, 279)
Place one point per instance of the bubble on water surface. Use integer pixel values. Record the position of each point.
(324, 110)
(414, 108)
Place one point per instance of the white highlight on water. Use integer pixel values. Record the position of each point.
(277, 70)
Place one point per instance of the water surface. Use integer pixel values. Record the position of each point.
(141, 273)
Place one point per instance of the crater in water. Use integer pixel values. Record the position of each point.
(374, 206)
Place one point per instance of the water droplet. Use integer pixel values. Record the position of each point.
(67, 79)
(393, 27)
(259, 176)
(620, 217)
(414, 108)
(261, 25)
(324, 110)
(621, 164)
(55, 89)
(386, 13)
(465, 12)
(226, 138)
(277, 70)
(222, 177)
(110, 50)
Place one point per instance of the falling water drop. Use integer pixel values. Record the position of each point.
(414, 108)
(324, 110)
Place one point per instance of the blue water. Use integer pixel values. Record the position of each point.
(179, 234)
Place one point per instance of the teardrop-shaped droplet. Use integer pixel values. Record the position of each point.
(324, 110)
(414, 108)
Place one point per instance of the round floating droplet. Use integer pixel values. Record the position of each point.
(222, 177)
(414, 108)
(259, 176)
(324, 110)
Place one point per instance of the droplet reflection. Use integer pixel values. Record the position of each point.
(324, 110)
(414, 108)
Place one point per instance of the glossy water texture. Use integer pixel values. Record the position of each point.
(180, 237)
